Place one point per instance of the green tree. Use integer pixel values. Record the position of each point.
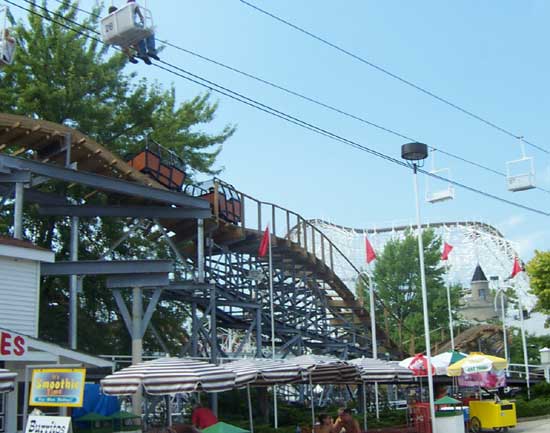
(62, 76)
(399, 295)
(538, 270)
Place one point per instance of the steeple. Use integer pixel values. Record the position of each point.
(479, 275)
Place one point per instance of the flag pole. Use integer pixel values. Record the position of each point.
(370, 256)
(450, 306)
(272, 316)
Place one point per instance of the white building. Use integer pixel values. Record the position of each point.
(20, 349)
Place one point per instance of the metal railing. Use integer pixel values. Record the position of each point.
(247, 212)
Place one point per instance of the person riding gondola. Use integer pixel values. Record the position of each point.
(7, 48)
(146, 47)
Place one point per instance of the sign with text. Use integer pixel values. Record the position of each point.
(62, 387)
(50, 424)
(12, 344)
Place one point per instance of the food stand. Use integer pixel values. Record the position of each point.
(490, 414)
(449, 417)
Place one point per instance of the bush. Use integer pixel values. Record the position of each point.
(541, 389)
(535, 407)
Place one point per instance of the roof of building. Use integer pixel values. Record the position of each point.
(479, 275)
(4, 240)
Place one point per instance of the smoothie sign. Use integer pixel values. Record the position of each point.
(63, 387)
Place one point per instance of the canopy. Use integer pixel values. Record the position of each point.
(328, 369)
(265, 372)
(477, 362)
(223, 427)
(7, 380)
(169, 376)
(418, 364)
(377, 370)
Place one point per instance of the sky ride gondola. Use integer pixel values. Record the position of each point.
(7, 41)
(128, 25)
(438, 190)
(520, 173)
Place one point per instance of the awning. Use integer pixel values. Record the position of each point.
(7, 380)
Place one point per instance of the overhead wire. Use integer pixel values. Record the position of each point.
(294, 120)
(394, 76)
(323, 104)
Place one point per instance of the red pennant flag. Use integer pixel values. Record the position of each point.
(264, 244)
(447, 248)
(516, 269)
(371, 255)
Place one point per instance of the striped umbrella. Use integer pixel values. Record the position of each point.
(328, 369)
(377, 370)
(169, 376)
(7, 380)
(265, 372)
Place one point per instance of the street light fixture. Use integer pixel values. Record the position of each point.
(415, 154)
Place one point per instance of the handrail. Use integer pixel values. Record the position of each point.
(300, 221)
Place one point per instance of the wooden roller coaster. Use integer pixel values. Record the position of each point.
(236, 225)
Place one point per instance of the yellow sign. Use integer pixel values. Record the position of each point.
(62, 387)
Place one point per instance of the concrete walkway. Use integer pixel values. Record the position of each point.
(537, 426)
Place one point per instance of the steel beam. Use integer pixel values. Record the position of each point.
(73, 286)
(86, 211)
(16, 176)
(125, 281)
(18, 211)
(104, 183)
(33, 196)
(95, 267)
(150, 310)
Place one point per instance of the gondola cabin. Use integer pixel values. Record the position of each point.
(7, 41)
(127, 26)
(438, 190)
(520, 174)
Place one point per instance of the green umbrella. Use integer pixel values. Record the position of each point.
(223, 427)
(447, 400)
(93, 417)
(123, 415)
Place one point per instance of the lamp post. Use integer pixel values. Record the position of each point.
(415, 154)
(524, 342)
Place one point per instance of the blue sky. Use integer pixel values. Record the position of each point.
(487, 56)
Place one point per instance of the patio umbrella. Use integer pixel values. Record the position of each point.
(477, 362)
(326, 370)
(376, 370)
(169, 376)
(222, 427)
(7, 380)
(263, 372)
(418, 364)
(479, 369)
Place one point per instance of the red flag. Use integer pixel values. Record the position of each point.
(516, 269)
(371, 255)
(447, 248)
(264, 244)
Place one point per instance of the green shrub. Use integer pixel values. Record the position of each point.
(535, 407)
(541, 389)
